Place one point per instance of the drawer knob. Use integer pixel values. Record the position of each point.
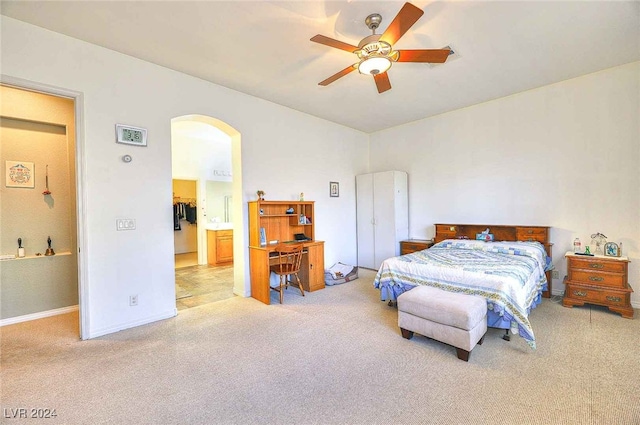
(580, 293)
(596, 266)
(614, 299)
(596, 278)
(529, 231)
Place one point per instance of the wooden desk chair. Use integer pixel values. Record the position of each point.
(289, 258)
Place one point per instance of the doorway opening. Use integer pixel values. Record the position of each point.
(209, 259)
(40, 143)
(185, 224)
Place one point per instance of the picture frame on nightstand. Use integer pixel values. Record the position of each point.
(611, 249)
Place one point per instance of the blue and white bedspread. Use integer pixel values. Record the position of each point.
(510, 275)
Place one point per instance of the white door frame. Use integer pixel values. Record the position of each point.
(81, 195)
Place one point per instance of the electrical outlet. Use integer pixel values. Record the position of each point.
(555, 274)
(133, 300)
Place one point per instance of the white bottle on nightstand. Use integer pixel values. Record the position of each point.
(577, 246)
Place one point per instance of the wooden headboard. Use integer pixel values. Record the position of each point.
(500, 233)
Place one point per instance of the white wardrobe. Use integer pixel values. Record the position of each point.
(383, 216)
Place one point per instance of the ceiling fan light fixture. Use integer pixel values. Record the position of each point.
(374, 65)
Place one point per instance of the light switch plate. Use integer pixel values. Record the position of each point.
(125, 224)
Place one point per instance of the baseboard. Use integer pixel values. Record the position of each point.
(241, 293)
(121, 327)
(40, 315)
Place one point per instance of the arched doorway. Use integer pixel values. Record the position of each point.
(209, 170)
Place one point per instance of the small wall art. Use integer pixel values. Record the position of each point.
(20, 174)
(334, 189)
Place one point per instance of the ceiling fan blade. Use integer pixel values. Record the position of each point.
(337, 75)
(333, 43)
(426, 55)
(408, 15)
(382, 82)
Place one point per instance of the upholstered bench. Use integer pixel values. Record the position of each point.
(456, 319)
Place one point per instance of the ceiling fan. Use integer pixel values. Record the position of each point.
(375, 52)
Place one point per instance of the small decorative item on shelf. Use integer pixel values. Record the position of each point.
(20, 248)
(484, 236)
(260, 195)
(49, 250)
(46, 181)
(587, 250)
(289, 210)
(611, 249)
(302, 196)
(599, 240)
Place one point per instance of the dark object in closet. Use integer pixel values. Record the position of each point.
(182, 211)
(176, 217)
(190, 213)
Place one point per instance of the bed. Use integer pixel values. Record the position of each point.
(511, 276)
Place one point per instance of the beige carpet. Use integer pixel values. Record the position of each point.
(335, 356)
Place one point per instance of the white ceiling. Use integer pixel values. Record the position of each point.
(262, 48)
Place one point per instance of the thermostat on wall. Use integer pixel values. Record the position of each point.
(131, 135)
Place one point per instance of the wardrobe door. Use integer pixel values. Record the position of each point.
(384, 217)
(364, 217)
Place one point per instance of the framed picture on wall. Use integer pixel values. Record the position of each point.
(334, 189)
(20, 174)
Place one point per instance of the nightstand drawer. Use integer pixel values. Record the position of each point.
(595, 264)
(588, 277)
(538, 234)
(598, 296)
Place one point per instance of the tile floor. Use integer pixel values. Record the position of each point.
(197, 285)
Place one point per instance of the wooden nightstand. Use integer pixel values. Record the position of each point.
(413, 245)
(598, 280)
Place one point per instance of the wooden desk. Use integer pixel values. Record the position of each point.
(311, 271)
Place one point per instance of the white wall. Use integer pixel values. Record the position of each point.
(217, 192)
(284, 152)
(566, 155)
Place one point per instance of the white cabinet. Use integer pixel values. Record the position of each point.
(383, 216)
